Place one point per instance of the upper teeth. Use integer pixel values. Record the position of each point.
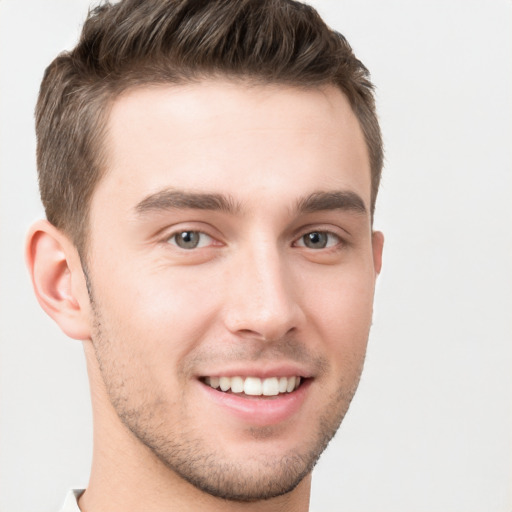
(254, 385)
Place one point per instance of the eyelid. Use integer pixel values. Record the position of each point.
(300, 243)
(201, 245)
(166, 235)
(333, 229)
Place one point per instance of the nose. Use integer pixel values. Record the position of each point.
(263, 295)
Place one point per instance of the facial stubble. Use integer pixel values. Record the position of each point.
(185, 451)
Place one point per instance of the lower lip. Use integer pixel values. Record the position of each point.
(260, 411)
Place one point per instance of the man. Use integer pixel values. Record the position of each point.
(209, 171)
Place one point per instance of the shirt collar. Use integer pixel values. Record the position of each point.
(71, 501)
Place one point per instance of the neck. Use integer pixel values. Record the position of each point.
(127, 476)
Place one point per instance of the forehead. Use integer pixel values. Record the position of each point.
(233, 138)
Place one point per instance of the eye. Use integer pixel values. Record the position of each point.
(190, 239)
(318, 240)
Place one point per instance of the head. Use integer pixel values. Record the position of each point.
(133, 43)
(209, 171)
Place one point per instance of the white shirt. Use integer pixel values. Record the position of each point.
(71, 501)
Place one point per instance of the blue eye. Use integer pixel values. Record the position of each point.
(318, 240)
(190, 239)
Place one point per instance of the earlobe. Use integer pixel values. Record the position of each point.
(377, 246)
(58, 279)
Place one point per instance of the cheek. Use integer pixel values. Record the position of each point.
(341, 310)
(157, 317)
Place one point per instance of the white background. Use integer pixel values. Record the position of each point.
(430, 428)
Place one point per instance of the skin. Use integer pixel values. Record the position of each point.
(251, 298)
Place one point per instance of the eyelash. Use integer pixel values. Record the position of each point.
(302, 241)
(172, 239)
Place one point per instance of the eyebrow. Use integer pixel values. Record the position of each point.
(169, 199)
(338, 200)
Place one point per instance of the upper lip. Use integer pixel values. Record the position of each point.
(260, 371)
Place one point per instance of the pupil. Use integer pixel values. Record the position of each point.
(315, 240)
(187, 239)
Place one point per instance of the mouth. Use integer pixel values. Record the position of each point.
(254, 386)
(270, 399)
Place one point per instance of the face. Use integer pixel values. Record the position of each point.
(232, 275)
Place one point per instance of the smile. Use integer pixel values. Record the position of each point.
(258, 401)
(254, 386)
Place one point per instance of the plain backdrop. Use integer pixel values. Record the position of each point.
(430, 428)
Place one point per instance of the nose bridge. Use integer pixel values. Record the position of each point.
(263, 302)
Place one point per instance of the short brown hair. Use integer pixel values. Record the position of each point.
(138, 42)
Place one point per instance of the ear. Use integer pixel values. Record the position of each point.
(58, 279)
(377, 246)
